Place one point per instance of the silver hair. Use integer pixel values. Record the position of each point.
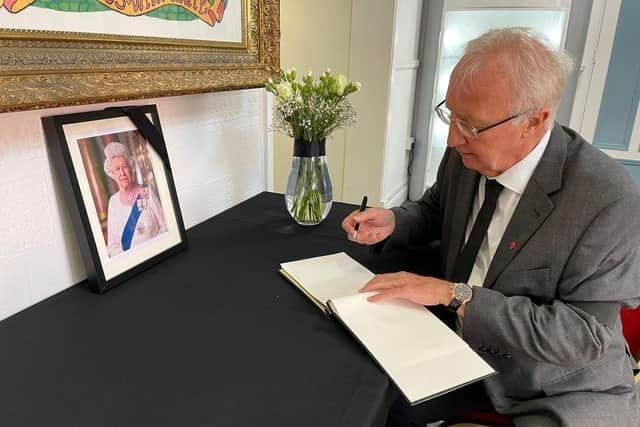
(537, 72)
(116, 149)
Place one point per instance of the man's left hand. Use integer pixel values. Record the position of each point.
(422, 290)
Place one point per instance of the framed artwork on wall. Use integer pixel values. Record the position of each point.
(64, 52)
(119, 188)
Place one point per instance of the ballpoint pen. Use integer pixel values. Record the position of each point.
(363, 206)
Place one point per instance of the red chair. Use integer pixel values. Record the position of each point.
(631, 329)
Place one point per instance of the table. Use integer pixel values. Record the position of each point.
(212, 336)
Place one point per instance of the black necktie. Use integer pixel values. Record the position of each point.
(467, 258)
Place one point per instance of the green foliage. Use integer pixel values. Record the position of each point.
(308, 199)
(71, 5)
(312, 109)
(172, 13)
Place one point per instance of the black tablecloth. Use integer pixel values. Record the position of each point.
(212, 336)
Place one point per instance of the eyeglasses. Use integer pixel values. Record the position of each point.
(465, 128)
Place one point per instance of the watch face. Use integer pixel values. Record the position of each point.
(462, 292)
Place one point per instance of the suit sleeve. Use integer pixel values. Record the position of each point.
(601, 275)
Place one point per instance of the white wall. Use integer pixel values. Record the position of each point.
(370, 63)
(217, 148)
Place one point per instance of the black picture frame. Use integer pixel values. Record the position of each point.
(125, 211)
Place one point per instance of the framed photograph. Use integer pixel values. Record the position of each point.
(63, 52)
(119, 188)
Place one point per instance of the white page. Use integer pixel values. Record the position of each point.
(398, 332)
(419, 352)
(330, 276)
(435, 376)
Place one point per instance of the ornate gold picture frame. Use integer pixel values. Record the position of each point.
(42, 69)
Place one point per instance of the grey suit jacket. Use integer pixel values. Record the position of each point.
(547, 317)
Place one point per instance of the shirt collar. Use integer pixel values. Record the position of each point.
(517, 176)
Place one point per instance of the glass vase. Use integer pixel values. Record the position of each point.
(309, 193)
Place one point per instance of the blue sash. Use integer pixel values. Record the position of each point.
(130, 226)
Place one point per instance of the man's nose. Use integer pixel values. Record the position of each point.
(455, 137)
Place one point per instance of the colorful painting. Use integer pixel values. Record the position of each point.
(210, 20)
(69, 52)
(209, 11)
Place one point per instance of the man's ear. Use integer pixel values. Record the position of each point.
(536, 122)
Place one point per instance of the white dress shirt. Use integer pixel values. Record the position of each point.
(514, 180)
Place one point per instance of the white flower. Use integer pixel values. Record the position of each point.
(358, 85)
(285, 91)
(341, 83)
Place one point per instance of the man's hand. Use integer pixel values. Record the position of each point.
(376, 224)
(422, 290)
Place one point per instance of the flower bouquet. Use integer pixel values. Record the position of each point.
(309, 111)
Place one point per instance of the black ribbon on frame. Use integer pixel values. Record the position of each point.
(302, 148)
(146, 129)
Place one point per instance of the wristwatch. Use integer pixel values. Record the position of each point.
(461, 293)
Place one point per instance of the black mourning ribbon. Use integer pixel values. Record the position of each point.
(147, 129)
(464, 263)
(302, 148)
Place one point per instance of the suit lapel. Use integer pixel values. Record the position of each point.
(534, 206)
(533, 209)
(467, 186)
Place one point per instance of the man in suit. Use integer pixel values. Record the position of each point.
(540, 245)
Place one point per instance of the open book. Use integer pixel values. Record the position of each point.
(421, 355)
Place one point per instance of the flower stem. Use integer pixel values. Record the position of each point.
(307, 199)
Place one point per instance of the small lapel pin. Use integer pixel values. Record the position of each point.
(513, 245)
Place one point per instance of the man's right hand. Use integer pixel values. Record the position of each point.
(376, 224)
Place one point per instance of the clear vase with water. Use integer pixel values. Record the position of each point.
(309, 193)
